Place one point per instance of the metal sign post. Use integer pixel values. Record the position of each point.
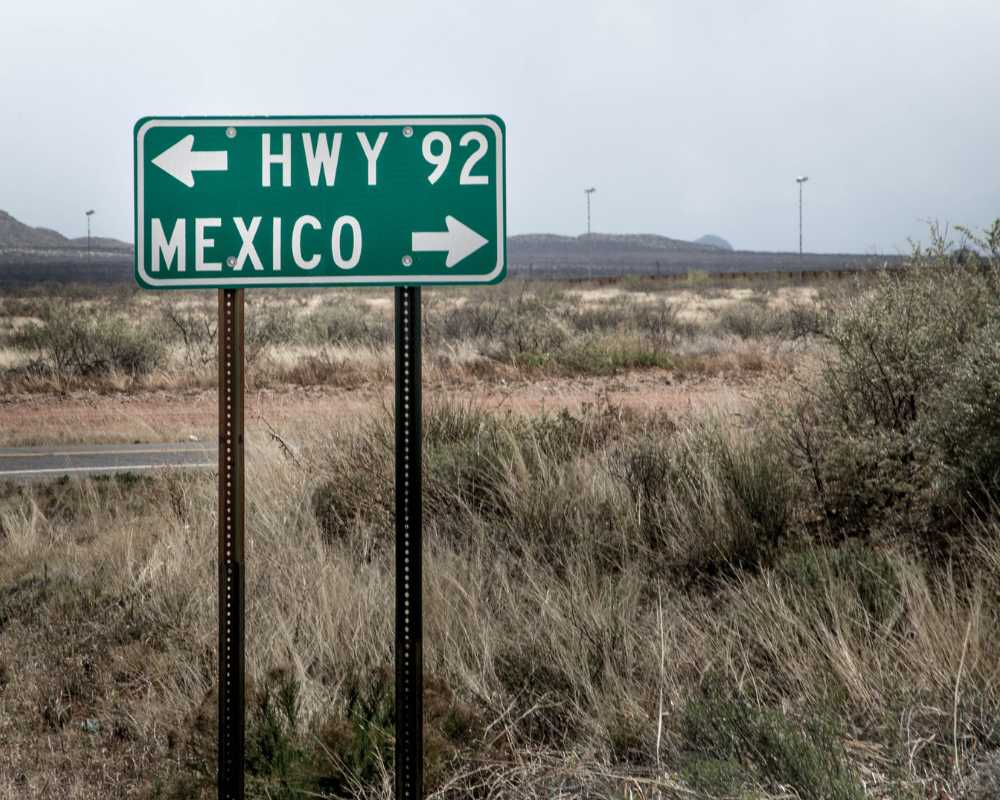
(229, 203)
(232, 692)
(409, 531)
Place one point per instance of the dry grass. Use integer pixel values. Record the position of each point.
(552, 628)
(630, 589)
(343, 338)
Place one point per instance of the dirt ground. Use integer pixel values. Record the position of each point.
(160, 416)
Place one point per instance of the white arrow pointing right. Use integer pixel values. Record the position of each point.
(181, 160)
(460, 241)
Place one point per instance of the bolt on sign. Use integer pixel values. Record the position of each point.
(236, 203)
(319, 201)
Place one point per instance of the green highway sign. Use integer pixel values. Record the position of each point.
(235, 202)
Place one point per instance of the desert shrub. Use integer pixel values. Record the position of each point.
(195, 330)
(871, 484)
(477, 318)
(343, 321)
(711, 500)
(522, 478)
(894, 344)
(868, 577)
(751, 321)
(606, 317)
(274, 754)
(754, 320)
(357, 744)
(266, 325)
(565, 435)
(464, 451)
(554, 332)
(323, 368)
(805, 319)
(625, 316)
(907, 378)
(729, 744)
(353, 499)
(471, 471)
(531, 340)
(91, 342)
(607, 355)
(965, 425)
(661, 322)
(530, 331)
(487, 462)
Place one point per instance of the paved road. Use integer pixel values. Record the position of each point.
(34, 463)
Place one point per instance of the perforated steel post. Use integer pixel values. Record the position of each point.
(231, 520)
(409, 626)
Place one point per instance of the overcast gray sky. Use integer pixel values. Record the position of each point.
(689, 117)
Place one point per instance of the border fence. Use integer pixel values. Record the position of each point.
(107, 268)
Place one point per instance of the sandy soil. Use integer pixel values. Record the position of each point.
(170, 416)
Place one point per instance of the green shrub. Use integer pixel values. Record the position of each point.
(711, 500)
(360, 743)
(357, 746)
(907, 384)
(354, 496)
(481, 459)
(471, 471)
(894, 343)
(866, 576)
(965, 425)
(728, 743)
(273, 752)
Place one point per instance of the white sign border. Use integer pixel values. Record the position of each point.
(313, 280)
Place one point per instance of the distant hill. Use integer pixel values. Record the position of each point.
(595, 244)
(711, 240)
(608, 255)
(38, 255)
(101, 243)
(17, 236)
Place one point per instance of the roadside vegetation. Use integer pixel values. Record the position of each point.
(134, 341)
(800, 601)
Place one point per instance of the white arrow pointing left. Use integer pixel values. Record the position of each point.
(181, 160)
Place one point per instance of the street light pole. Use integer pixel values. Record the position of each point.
(800, 180)
(89, 215)
(589, 192)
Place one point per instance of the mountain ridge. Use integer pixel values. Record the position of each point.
(597, 242)
(17, 235)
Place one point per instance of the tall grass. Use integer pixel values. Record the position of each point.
(618, 603)
(569, 634)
